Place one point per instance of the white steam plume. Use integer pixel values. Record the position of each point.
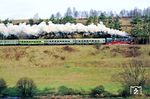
(54, 28)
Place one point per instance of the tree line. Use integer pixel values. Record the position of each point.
(86, 14)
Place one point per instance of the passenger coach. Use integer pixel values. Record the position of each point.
(53, 42)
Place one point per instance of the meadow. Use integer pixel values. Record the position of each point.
(80, 67)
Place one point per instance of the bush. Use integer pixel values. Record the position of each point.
(26, 87)
(2, 85)
(97, 91)
(12, 92)
(62, 90)
(107, 94)
(146, 88)
(124, 92)
(45, 91)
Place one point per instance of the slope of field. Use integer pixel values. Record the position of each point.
(79, 67)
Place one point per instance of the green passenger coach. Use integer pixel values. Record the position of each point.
(31, 42)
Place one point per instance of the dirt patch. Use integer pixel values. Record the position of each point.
(131, 51)
(15, 53)
(105, 48)
(56, 56)
(62, 58)
(92, 63)
(93, 53)
(117, 50)
(134, 47)
(114, 54)
(46, 51)
(97, 47)
(68, 49)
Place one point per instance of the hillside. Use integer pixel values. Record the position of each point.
(79, 67)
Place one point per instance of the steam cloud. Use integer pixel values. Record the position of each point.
(54, 28)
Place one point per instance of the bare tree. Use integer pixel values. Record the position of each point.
(75, 13)
(36, 16)
(84, 14)
(68, 12)
(26, 87)
(134, 74)
(93, 13)
(58, 15)
(146, 12)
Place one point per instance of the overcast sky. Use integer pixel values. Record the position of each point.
(23, 9)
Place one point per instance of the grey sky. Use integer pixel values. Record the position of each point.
(17, 9)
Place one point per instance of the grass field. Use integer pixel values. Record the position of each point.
(79, 67)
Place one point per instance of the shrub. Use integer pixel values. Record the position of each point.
(45, 91)
(124, 92)
(12, 92)
(146, 88)
(107, 94)
(62, 58)
(26, 87)
(97, 91)
(62, 90)
(2, 85)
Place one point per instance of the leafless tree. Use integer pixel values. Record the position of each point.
(134, 74)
